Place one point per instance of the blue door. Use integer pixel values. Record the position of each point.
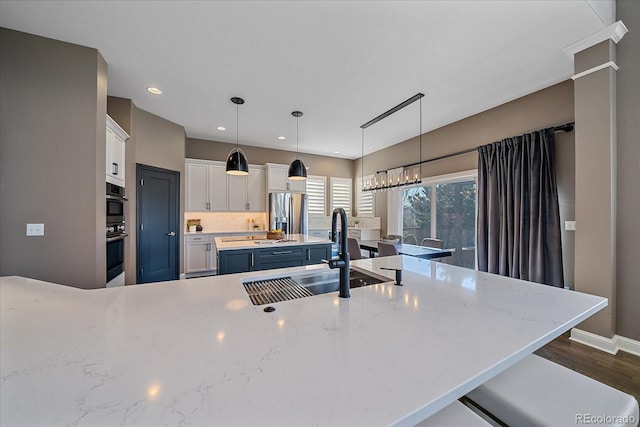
(158, 233)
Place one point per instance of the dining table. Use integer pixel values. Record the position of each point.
(424, 252)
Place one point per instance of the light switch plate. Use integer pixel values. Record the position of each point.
(35, 229)
(570, 225)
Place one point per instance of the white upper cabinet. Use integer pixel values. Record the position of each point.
(210, 189)
(218, 187)
(206, 186)
(256, 185)
(237, 192)
(278, 180)
(115, 159)
(247, 193)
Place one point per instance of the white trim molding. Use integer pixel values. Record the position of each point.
(596, 68)
(614, 32)
(608, 345)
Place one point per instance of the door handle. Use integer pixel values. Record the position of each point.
(173, 233)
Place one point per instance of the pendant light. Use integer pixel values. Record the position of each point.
(297, 170)
(236, 161)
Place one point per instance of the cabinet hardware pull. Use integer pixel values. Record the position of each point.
(281, 253)
(114, 168)
(251, 259)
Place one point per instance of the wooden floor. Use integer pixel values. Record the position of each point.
(621, 371)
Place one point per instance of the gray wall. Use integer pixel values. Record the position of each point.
(318, 165)
(52, 159)
(153, 141)
(628, 158)
(547, 107)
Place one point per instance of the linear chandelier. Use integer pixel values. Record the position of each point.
(397, 177)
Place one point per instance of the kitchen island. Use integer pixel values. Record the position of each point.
(197, 352)
(251, 253)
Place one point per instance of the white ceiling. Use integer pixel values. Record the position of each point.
(341, 63)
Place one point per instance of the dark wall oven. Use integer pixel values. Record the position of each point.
(115, 257)
(115, 204)
(116, 231)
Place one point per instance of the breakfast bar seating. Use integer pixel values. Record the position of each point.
(456, 414)
(538, 392)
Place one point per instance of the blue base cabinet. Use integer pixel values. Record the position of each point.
(316, 253)
(236, 261)
(243, 260)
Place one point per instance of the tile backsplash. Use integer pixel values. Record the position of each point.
(228, 221)
(222, 222)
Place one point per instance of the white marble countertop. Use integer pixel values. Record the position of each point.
(196, 352)
(232, 243)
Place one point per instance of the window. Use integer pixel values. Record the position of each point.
(364, 201)
(444, 209)
(316, 190)
(341, 194)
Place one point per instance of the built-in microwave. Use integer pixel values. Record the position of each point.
(115, 204)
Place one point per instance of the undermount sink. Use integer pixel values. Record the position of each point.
(303, 285)
(330, 281)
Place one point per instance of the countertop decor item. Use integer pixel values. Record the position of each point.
(237, 163)
(193, 224)
(297, 169)
(275, 235)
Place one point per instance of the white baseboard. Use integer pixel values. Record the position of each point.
(608, 345)
(183, 276)
(628, 345)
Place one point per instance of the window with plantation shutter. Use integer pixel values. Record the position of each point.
(341, 194)
(316, 190)
(364, 201)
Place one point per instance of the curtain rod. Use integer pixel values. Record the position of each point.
(387, 113)
(567, 127)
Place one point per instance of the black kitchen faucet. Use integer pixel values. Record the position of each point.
(342, 261)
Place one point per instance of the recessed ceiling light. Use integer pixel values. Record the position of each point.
(221, 128)
(336, 152)
(282, 137)
(154, 90)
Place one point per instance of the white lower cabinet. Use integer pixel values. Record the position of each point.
(365, 233)
(323, 233)
(200, 253)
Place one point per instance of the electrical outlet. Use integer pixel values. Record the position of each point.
(570, 225)
(35, 229)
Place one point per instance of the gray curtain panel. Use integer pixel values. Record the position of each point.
(518, 214)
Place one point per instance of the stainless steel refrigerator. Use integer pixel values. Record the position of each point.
(288, 212)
